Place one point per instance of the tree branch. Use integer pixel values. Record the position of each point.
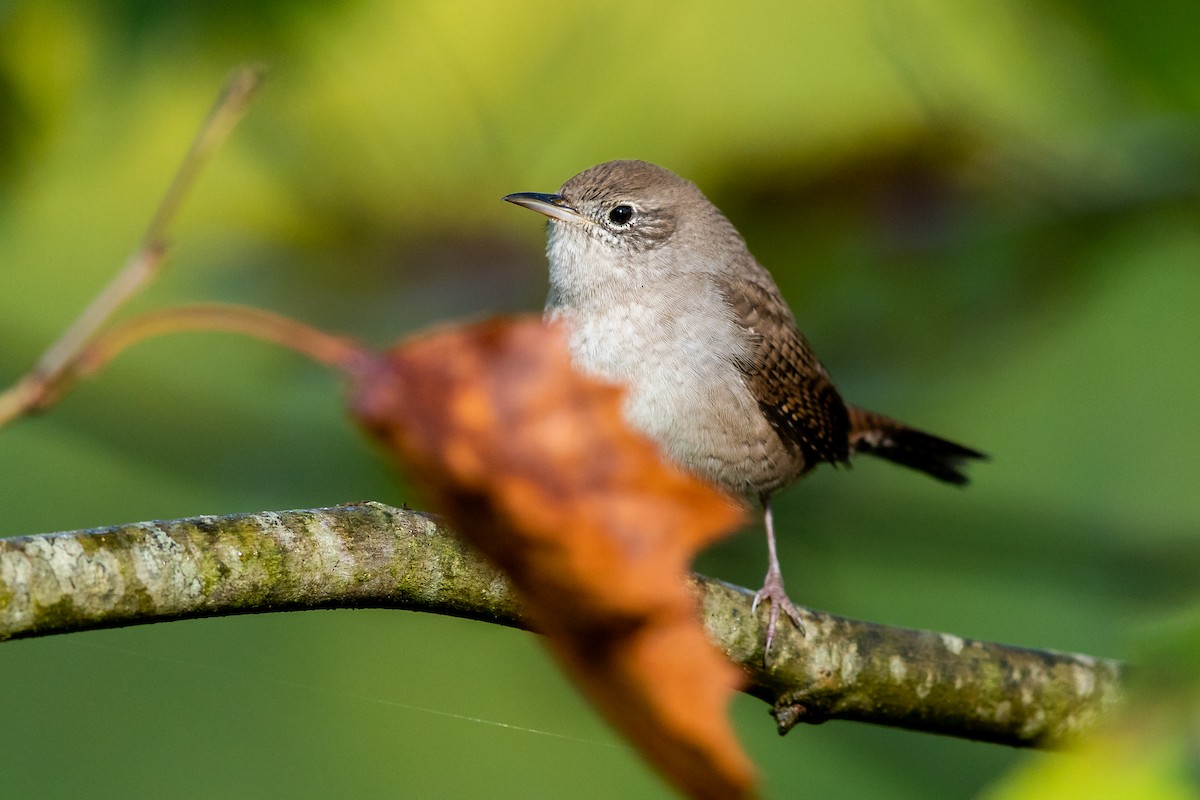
(372, 555)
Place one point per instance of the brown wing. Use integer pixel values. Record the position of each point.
(792, 388)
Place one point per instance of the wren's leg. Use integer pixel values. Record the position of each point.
(772, 589)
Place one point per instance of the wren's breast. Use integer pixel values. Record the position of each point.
(684, 390)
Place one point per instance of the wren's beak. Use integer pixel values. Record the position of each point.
(552, 205)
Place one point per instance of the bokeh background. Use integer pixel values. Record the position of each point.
(985, 216)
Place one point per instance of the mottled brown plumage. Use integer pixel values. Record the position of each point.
(791, 387)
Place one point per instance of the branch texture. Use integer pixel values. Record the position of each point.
(372, 555)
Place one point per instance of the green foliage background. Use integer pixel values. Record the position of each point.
(984, 215)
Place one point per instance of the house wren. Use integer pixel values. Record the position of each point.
(659, 292)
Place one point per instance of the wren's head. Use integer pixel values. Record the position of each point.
(623, 226)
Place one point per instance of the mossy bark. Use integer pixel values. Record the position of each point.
(372, 555)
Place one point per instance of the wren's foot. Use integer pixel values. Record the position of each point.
(772, 589)
(774, 593)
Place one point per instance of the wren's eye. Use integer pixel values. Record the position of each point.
(620, 215)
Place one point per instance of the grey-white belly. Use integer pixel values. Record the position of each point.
(685, 393)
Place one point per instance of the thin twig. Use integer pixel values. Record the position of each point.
(334, 351)
(45, 382)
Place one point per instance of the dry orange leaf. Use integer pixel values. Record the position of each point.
(533, 463)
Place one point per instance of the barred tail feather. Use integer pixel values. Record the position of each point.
(886, 438)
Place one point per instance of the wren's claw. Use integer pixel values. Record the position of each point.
(772, 589)
(773, 592)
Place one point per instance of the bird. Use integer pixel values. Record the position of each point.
(658, 291)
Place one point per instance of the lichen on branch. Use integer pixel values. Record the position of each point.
(371, 555)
